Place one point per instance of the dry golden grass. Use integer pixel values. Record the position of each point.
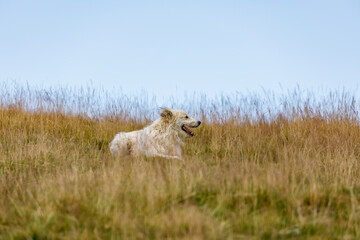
(293, 173)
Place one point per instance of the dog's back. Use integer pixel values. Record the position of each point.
(125, 144)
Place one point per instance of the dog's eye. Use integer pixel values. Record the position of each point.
(186, 116)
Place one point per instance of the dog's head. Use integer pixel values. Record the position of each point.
(181, 122)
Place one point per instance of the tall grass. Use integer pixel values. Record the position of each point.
(262, 166)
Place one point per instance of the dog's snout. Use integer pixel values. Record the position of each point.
(198, 123)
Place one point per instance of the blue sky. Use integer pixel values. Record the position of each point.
(168, 47)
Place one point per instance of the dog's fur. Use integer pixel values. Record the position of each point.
(162, 138)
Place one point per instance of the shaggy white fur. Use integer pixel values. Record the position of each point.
(163, 138)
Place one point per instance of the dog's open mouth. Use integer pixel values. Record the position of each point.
(187, 130)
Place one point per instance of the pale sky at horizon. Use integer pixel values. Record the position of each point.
(168, 47)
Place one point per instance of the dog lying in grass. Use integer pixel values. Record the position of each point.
(163, 138)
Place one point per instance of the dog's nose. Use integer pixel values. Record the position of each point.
(199, 122)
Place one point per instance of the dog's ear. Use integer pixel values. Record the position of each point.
(166, 113)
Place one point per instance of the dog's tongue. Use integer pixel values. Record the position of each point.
(188, 131)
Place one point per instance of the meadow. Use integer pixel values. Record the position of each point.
(261, 166)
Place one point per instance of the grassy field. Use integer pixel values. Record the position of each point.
(258, 168)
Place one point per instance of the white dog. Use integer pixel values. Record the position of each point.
(162, 138)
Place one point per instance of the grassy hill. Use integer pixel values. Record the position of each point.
(254, 170)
